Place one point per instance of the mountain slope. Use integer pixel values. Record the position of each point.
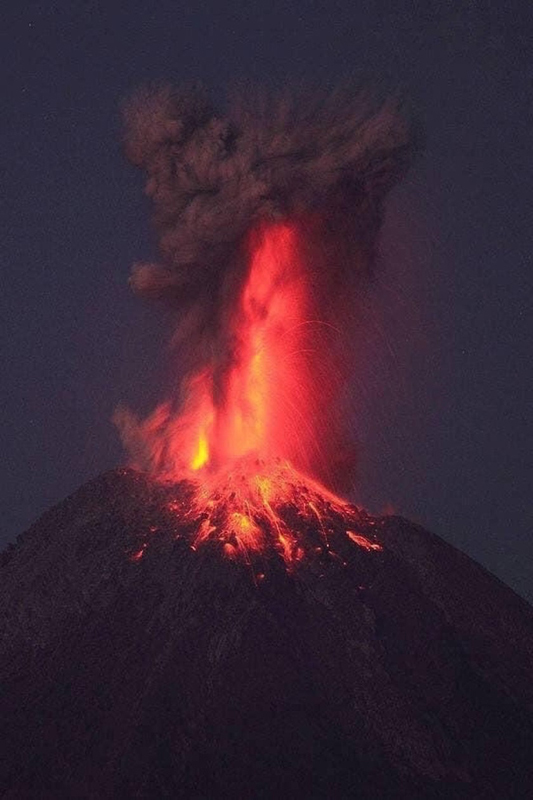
(134, 666)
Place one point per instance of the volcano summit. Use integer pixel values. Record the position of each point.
(364, 657)
(212, 622)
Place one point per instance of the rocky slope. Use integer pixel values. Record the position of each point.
(159, 671)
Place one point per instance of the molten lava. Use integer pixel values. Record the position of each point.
(246, 429)
(257, 506)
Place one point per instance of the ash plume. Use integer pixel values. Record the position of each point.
(211, 176)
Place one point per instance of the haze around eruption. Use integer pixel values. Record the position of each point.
(267, 217)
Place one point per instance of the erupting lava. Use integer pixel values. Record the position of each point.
(248, 418)
(252, 399)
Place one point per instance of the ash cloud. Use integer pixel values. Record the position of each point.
(212, 175)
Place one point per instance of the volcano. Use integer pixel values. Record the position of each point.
(212, 622)
(154, 645)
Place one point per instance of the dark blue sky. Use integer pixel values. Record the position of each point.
(444, 409)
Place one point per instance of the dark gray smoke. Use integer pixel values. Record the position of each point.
(212, 175)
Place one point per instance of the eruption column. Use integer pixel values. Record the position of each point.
(267, 219)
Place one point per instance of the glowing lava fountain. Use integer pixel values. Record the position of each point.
(245, 435)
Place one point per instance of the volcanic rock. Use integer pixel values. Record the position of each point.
(382, 665)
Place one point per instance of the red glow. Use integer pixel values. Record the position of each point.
(139, 553)
(262, 388)
(247, 426)
(262, 406)
(362, 541)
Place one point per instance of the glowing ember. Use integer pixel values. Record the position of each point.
(260, 507)
(258, 503)
(246, 423)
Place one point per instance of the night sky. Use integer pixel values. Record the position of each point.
(443, 395)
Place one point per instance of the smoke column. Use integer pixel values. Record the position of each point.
(267, 217)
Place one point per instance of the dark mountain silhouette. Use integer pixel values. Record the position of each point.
(158, 671)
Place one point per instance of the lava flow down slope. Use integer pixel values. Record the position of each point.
(216, 620)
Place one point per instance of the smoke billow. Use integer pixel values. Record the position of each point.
(324, 160)
(211, 176)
